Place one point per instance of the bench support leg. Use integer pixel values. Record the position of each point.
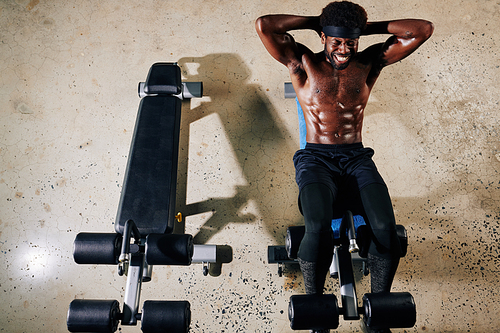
(133, 289)
(347, 284)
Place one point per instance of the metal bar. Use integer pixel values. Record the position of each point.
(347, 285)
(289, 91)
(192, 89)
(133, 289)
(204, 253)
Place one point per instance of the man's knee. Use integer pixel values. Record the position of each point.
(316, 201)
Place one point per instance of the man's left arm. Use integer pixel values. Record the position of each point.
(407, 36)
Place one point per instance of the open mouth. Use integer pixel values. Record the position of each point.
(342, 58)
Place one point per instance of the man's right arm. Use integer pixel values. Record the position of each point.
(273, 31)
(407, 36)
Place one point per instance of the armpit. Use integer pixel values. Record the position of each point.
(296, 69)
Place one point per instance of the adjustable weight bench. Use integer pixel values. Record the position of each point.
(146, 216)
(351, 242)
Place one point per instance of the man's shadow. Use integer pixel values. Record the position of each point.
(262, 148)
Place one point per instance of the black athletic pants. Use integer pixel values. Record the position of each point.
(317, 245)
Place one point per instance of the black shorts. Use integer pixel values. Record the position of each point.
(340, 167)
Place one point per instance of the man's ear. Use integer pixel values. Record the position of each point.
(323, 38)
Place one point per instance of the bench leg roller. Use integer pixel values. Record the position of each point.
(93, 315)
(315, 312)
(389, 310)
(166, 317)
(169, 249)
(97, 248)
(293, 238)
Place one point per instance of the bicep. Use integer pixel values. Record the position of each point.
(407, 36)
(396, 49)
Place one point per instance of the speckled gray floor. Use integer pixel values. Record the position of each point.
(68, 78)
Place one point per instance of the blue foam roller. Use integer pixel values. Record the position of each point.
(358, 220)
(302, 125)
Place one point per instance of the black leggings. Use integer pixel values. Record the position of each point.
(317, 206)
(380, 218)
(316, 201)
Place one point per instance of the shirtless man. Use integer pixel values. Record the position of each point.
(332, 88)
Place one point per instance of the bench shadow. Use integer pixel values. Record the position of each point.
(262, 148)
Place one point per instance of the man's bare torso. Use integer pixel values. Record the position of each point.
(334, 97)
(333, 101)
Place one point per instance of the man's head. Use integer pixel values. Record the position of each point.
(342, 22)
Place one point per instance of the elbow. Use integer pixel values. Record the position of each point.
(258, 24)
(262, 24)
(428, 29)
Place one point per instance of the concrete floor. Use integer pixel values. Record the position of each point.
(68, 78)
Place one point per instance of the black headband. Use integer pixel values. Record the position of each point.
(341, 32)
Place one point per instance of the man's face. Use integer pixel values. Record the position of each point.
(339, 51)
